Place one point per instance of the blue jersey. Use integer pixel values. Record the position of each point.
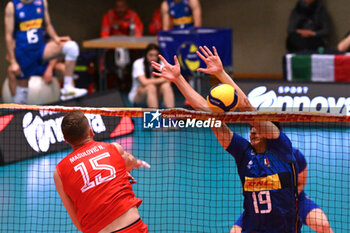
(29, 20)
(29, 36)
(181, 14)
(269, 182)
(300, 158)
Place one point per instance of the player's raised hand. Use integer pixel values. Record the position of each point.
(212, 60)
(166, 70)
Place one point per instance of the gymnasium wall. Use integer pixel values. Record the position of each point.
(259, 26)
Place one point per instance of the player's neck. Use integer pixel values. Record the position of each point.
(260, 148)
(82, 143)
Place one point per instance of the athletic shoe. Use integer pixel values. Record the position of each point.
(72, 93)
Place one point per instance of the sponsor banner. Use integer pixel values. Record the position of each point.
(298, 96)
(26, 134)
(31, 24)
(271, 182)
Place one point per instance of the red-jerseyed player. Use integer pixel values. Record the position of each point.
(93, 181)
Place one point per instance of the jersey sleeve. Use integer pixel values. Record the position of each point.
(238, 146)
(282, 147)
(300, 158)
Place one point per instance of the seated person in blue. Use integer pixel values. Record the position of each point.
(266, 165)
(28, 52)
(181, 14)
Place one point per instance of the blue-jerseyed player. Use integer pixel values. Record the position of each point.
(310, 213)
(266, 165)
(27, 51)
(181, 14)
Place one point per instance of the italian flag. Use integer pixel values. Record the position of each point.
(318, 68)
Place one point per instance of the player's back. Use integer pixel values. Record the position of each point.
(95, 178)
(29, 19)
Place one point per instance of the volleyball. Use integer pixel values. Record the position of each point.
(222, 98)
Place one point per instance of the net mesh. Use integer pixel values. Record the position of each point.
(192, 186)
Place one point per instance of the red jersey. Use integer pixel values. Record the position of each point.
(112, 24)
(95, 178)
(156, 24)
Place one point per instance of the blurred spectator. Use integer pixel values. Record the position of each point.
(156, 23)
(146, 87)
(181, 14)
(308, 26)
(121, 21)
(344, 45)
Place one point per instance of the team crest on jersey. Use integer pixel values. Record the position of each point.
(249, 166)
(19, 6)
(22, 14)
(38, 10)
(267, 162)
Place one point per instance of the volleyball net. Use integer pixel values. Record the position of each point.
(192, 185)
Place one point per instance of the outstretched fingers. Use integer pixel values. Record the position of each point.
(201, 56)
(165, 62)
(158, 67)
(215, 51)
(208, 51)
(176, 61)
(203, 51)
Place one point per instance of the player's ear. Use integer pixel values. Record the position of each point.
(91, 132)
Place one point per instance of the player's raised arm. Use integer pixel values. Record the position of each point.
(214, 67)
(130, 161)
(172, 73)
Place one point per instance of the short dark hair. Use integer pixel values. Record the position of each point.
(276, 123)
(75, 126)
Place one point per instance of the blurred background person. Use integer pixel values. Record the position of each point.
(181, 14)
(308, 26)
(146, 89)
(344, 44)
(122, 21)
(156, 23)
